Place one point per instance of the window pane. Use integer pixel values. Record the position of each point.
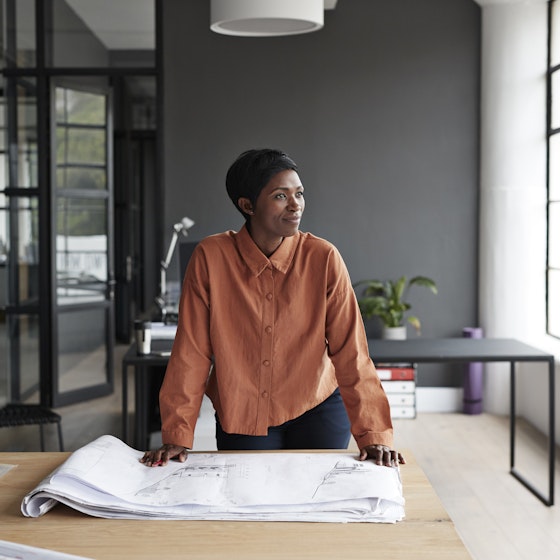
(555, 37)
(81, 139)
(121, 34)
(80, 145)
(3, 233)
(554, 302)
(554, 235)
(81, 250)
(3, 141)
(81, 178)
(24, 144)
(82, 353)
(27, 351)
(555, 102)
(19, 353)
(22, 140)
(141, 93)
(23, 265)
(554, 168)
(18, 37)
(77, 107)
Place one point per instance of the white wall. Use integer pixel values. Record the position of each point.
(513, 197)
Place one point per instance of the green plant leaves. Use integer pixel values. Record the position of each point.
(385, 299)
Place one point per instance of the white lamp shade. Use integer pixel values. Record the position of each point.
(266, 18)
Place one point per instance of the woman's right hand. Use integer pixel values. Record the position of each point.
(160, 457)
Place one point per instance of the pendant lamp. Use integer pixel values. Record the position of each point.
(266, 18)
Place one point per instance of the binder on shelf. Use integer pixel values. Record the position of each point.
(401, 372)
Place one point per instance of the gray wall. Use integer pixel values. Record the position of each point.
(379, 109)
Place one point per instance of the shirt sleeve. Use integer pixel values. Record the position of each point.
(363, 395)
(189, 365)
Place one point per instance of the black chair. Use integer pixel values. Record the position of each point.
(30, 414)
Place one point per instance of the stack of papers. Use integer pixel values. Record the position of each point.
(106, 479)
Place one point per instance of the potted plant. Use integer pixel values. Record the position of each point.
(385, 299)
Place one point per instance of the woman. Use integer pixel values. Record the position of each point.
(269, 328)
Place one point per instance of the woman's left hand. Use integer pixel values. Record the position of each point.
(382, 455)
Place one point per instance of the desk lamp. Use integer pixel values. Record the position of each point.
(181, 227)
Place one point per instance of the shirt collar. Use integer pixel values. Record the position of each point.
(258, 261)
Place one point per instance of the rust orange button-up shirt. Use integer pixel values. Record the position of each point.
(268, 339)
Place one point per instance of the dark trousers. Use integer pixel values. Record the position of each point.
(324, 427)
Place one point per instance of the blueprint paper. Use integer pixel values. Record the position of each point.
(106, 479)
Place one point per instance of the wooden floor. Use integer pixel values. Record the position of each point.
(466, 458)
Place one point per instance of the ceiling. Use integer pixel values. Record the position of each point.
(126, 24)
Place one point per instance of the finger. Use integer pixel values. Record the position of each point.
(386, 458)
(363, 454)
(148, 459)
(164, 458)
(378, 455)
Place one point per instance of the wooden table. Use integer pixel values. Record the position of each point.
(426, 533)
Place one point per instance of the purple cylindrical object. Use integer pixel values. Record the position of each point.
(473, 378)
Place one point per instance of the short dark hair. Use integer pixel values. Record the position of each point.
(252, 170)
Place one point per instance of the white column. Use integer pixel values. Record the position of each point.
(512, 180)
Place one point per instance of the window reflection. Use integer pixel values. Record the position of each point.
(81, 181)
(19, 20)
(22, 266)
(81, 250)
(81, 139)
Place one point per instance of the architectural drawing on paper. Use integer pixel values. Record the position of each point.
(175, 482)
(342, 469)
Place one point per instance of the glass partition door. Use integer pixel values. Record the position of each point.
(82, 180)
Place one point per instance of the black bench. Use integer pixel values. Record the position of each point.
(30, 414)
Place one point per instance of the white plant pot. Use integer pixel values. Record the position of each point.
(394, 333)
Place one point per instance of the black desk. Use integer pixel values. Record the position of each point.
(425, 350)
(421, 350)
(141, 364)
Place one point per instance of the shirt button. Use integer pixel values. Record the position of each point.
(269, 296)
(268, 329)
(264, 395)
(266, 363)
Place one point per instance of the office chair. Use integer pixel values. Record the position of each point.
(19, 414)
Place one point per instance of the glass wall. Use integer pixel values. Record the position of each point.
(19, 239)
(60, 61)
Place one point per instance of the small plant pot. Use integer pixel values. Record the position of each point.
(394, 333)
